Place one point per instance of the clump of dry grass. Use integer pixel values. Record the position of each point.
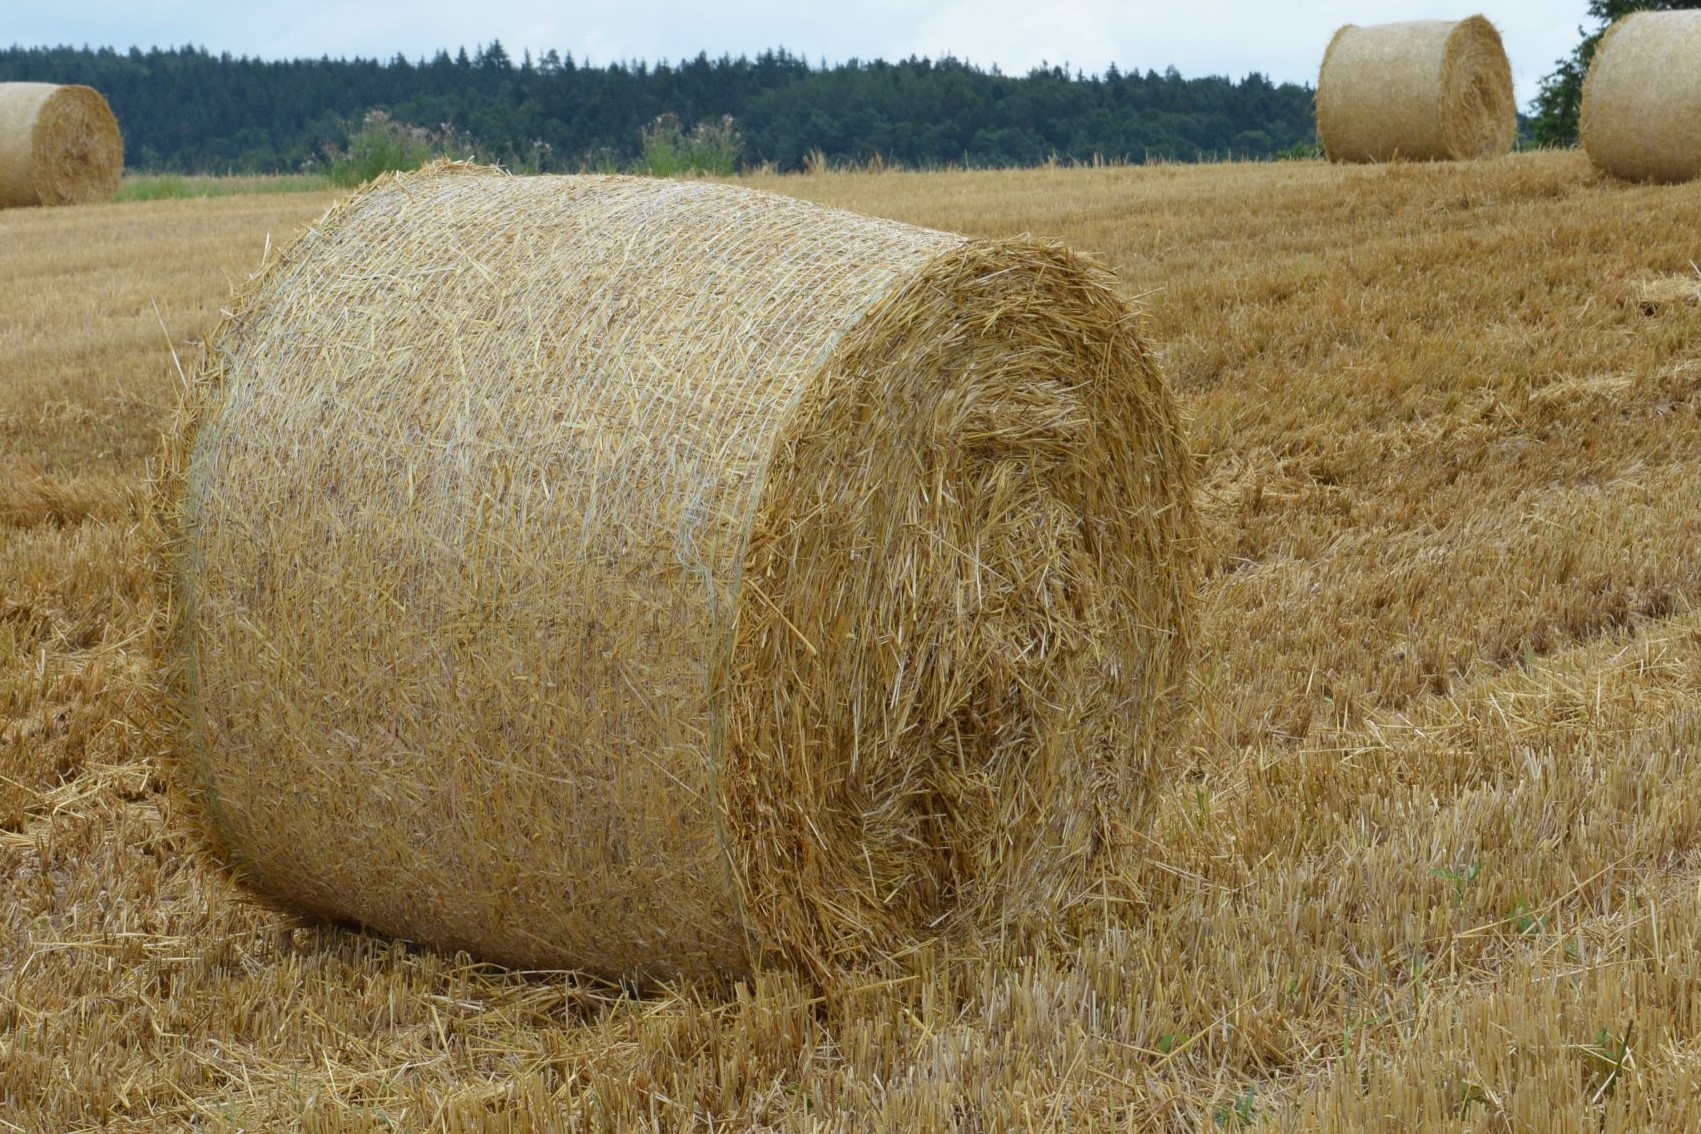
(28, 498)
(668, 577)
(1641, 114)
(1427, 90)
(58, 146)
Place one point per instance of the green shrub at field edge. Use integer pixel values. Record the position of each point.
(382, 145)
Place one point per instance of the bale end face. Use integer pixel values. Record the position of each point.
(965, 616)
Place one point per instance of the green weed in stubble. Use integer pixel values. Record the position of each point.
(1604, 1060)
(1472, 1095)
(1458, 877)
(1527, 919)
(1238, 1113)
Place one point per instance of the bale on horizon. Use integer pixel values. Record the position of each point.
(1641, 114)
(59, 145)
(1426, 90)
(661, 578)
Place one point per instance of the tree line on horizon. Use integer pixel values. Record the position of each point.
(187, 110)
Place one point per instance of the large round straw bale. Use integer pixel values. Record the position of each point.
(657, 578)
(1642, 99)
(1427, 90)
(58, 146)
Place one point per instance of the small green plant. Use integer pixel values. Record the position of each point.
(707, 149)
(1239, 1113)
(1527, 920)
(1459, 877)
(1605, 1059)
(1300, 151)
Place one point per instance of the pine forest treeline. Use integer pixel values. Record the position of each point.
(187, 110)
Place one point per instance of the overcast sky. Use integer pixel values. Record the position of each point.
(1198, 37)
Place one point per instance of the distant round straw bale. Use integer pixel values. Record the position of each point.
(58, 146)
(1428, 90)
(659, 578)
(1642, 99)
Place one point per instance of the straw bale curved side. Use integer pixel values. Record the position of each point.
(660, 578)
(1426, 90)
(1641, 115)
(58, 146)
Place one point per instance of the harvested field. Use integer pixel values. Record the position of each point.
(1431, 848)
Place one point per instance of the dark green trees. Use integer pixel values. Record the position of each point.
(187, 110)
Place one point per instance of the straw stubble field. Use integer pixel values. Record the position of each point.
(1426, 858)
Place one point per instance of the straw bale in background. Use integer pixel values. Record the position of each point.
(1642, 99)
(1428, 90)
(58, 146)
(659, 578)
